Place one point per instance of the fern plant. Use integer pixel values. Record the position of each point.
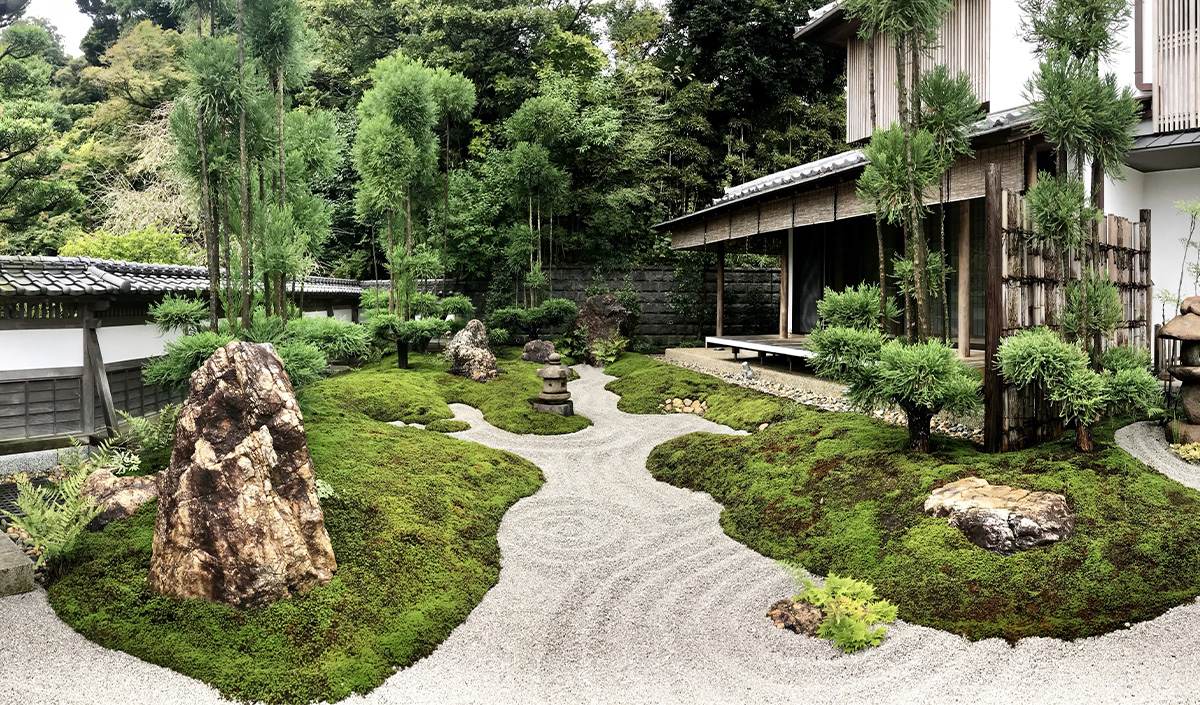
(148, 435)
(606, 352)
(54, 514)
(853, 616)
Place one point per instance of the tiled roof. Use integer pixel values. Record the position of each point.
(838, 163)
(1159, 141)
(84, 276)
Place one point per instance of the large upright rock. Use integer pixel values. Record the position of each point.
(238, 519)
(604, 318)
(469, 355)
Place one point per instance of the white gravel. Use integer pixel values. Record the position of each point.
(616, 588)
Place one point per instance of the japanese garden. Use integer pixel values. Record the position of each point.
(630, 351)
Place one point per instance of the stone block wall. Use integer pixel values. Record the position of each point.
(672, 312)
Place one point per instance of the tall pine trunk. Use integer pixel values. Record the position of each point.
(244, 167)
(883, 322)
(391, 257)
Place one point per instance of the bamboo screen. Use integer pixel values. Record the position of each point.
(964, 43)
(1033, 296)
(1176, 93)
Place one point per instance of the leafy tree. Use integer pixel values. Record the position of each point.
(147, 245)
(32, 167)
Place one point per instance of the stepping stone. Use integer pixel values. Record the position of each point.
(16, 570)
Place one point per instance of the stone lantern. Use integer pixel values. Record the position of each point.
(554, 398)
(1186, 328)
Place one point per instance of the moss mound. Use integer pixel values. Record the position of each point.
(504, 401)
(833, 492)
(644, 383)
(448, 426)
(414, 528)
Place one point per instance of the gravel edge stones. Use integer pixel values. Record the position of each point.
(616, 588)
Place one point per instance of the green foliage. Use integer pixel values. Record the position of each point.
(423, 305)
(885, 178)
(573, 343)
(325, 490)
(828, 491)
(413, 526)
(447, 426)
(337, 339)
(303, 362)
(264, 328)
(179, 313)
(927, 375)
(458, 306)
(1104, 311)
(150, 435)
(851, 612)
(1039, 357)
(54, 515)
(1125, 357)
(499, 337)
(842, 352)
(551, 313)
(951, 109)
(181, 358)
(855, 307)
(146, 245)
(1060, 215)
(607, 352)
(1189, 452)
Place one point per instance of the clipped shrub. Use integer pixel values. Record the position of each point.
(338, 339)
(179, 313)
(181, 358)
(1125, 357)
(923, 379)
(303, 362)
(574, 343)
(853, 617)
(372, 302)
(857, 307)
(423, 305)
(419, 333)
(552, 313)
(841, 352)
(499, 337)
(264, 328)
(458, 306)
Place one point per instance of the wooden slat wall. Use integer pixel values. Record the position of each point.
(1177, 65)
(964, 46)
(1033, 296)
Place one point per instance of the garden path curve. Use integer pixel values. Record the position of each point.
(616, 588)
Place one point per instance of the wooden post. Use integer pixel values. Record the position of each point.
(783, 286)
(1144, 216)
(93, 359)
(993, 386)
(87, 384)
(964, 279)
(720, 289)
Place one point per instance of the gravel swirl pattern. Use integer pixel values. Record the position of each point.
(616, 588)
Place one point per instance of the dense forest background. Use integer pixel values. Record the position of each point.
(591, 122)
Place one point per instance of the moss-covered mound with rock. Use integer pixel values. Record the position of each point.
(421, 394)
(413, 525)
(835, 493)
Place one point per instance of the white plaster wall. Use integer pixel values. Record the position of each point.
(41, 348)
(316, 314)
(1013, 60)
(1168, 227)
(1125, 198)
(343, 314)
(119, 343)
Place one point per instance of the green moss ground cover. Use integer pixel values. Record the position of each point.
(421, 394)
(414, 529)
(643, 383)
(835, 493)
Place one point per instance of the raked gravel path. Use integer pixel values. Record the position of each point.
(619, 589)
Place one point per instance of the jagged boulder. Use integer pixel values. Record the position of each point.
(118, 497)
(1002, 519)
(469, 355)
(538, 351)
(238, 522)
(604, 318)
(794, 615)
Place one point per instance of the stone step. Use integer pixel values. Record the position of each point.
(16, 570)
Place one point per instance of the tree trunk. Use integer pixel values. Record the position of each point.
(408, 249)
(446, 203)
(883, 322)
(919, 418)
(401, 354)
(908, 122)
(1083, 437)
(282, 174)
(244, 167)
(391, 256)
(230, 314)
